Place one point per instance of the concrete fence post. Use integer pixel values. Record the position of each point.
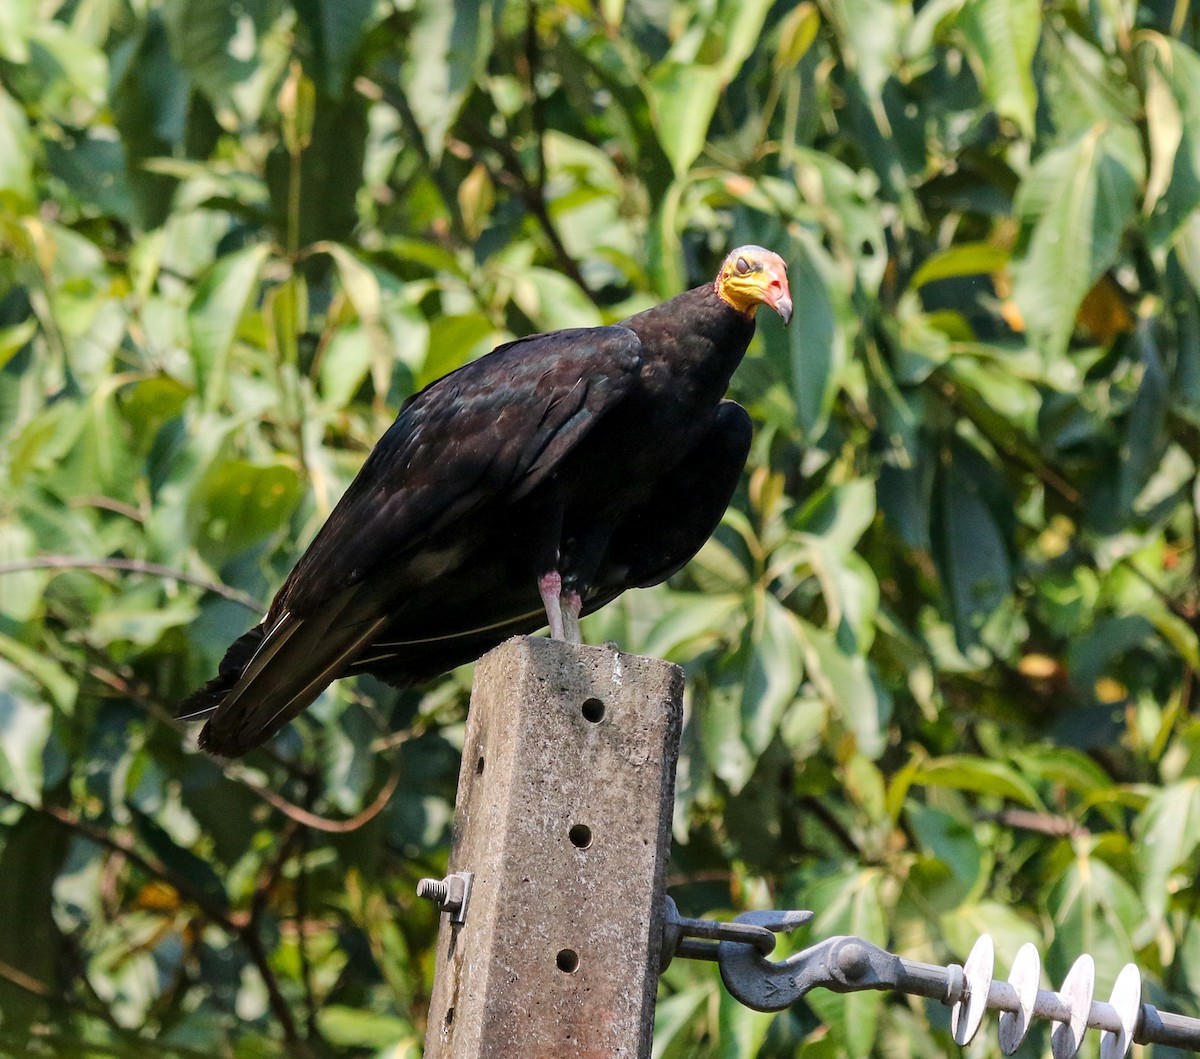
(563, 816)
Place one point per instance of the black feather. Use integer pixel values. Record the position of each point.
(605, 454)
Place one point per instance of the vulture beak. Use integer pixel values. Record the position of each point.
(783, 306)
(776, 292)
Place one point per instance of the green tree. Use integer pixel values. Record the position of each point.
(942, 655)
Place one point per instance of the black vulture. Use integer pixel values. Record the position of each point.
(531, 486)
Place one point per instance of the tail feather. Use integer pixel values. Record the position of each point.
(268, 680)
(202, 702)
(284, 687)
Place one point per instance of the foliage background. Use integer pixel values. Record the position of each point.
(942, 656)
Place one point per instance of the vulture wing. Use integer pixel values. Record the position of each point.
(484, 435)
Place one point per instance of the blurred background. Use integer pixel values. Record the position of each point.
(941, 656)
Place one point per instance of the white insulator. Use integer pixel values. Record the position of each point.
(1126, 999)
(1076, 993)
(1025, 976)
(966, 1015)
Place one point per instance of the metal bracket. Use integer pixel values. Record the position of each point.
(699, 939)
(450, 894)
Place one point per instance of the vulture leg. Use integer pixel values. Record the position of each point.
(572, 604)
(550, 589)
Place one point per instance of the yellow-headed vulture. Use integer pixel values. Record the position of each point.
(534, 484)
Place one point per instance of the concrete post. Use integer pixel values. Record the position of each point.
(563, 814)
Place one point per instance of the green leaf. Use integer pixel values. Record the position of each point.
(16, 146)
(1077, 201)
(672, 1015)
(1095, 911)
(358, 280)
(60, 688)
(345, 365)
(1008, 928)
(25, 725)
(797, 30)
(1146, 436)
(223, 294)
(1101, 644)
(1064, 766)
(1172, 112)
(964, 259)
(742, 1029)
(217, 42)
(185, 864)
(134, 619)
(1167, 834)
(17, 19)
(94, 169)
(20, 591)
(950, 841)
(448, 47)
(361, 285)
(839, 514)
(454, 340)
(1164, 131)
(683, 98)
(964, 773)
(552, 300)
(692, 617)
(297, 103)
(774, 667)
(969, 546)
(817, 339)
(1003, 35)
(741, 32)
(337, 28)
(844, 682)
(238, 503)
(347, 1027)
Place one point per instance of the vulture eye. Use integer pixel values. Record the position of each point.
(742, 266)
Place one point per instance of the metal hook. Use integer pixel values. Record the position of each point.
(697, 939)
(842, 964)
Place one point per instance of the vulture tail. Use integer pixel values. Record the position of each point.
(277, 675)
(202, 702)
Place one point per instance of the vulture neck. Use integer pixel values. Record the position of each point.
(695, 337)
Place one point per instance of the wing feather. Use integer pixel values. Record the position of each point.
(476, 440)
(484, 435)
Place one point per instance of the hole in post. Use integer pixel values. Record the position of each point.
(580, 836)
(449, 1015)
(479, 766)
(567, 960)
(593, 710)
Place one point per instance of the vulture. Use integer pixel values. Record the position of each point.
(529, 487)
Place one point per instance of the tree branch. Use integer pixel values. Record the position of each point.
(317, 822)
(15, 976)
(135, 566)
(1042, 823)
(301, 913)
(537, 112)
(239, 926)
